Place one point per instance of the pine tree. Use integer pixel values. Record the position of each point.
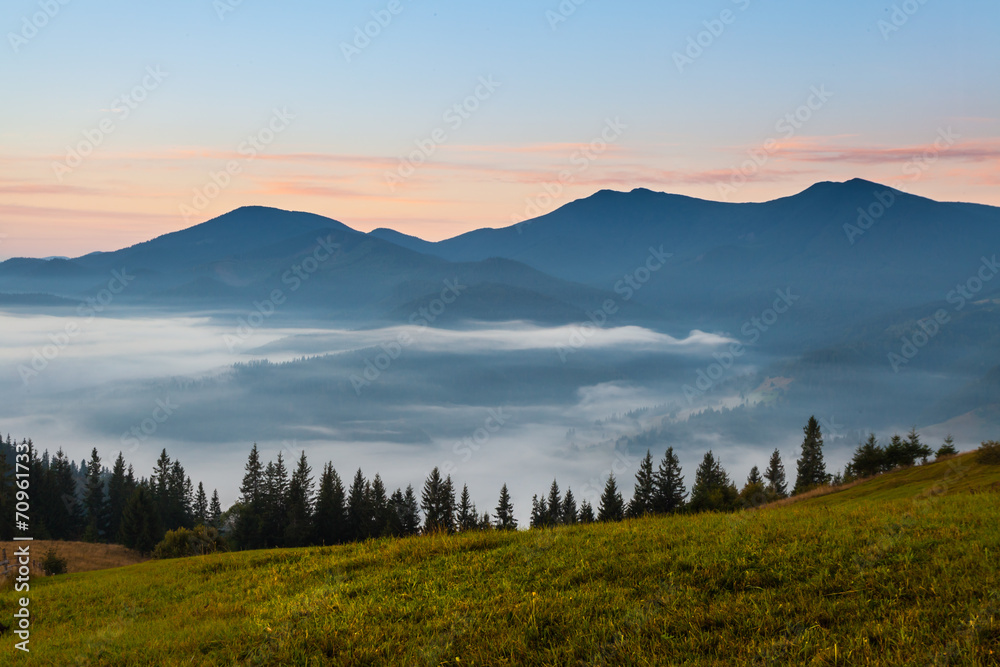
(201, 506)
(215, 511)
(275, 502)
(94, 500)
(539, 512)
(712, 490)
(505, 511)
(612, 507)
(141, 529)
(434, 501)
(468, 518)
(330, 519)
(915, 449)
(948, 448)
(811, 468)
(298, 527)
(775, 476)
(554, 505)
(570, 515)
(586, 512)
(159, 485)
(118, 494)
(449, 504)
(411, 512)
(645, 489)
(358, 511)
(250, 512)
(669, 492)
(869, 458)
(895, 453)
(754, 477)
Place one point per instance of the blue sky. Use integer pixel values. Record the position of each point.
(893, 88)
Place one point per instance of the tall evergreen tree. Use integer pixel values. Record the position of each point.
(358, 510)
(330, 520)
(775, 476)
(118, 494)
(539, 512)
(612, 507)
(449, 504)
(869, 458)
(141, 529)
(915, 449)
(380, 509)
(554, 505)
(586, 512)
(570, 515)
(468, 517)
(411, 512)
(712, 490)
(215, 511)
(669, 492)
(275, 502)
(250, 512)
(505, 511)
(811, 468)
(201, 506)
(754, 478)
(947, 449)
(645, 489)
(95, 500)
(299, 510)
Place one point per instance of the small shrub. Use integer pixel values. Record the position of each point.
(53, 563)
(989, 453)
(184, 542)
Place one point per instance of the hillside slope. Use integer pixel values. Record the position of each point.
(897, 571)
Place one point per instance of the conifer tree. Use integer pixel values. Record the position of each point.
(586, 512)
(250, 513)
(775, 476)
(947, 449)
(915, 449)
(754, 477)
(811, 468)
(436, 503)
(539, 512)
(275, 502)
(712, 490)
(669, 492)
(118, 494)
(554, 505)
(201, 506)
(468, 517)
(215, 511)
(330, 519)
(411, 512)
(505, 511)
(612, 507)
(94, 500)
(141, 529)
(299, 511)
(358, 510)
(645, 489)
(570, 515)
(869, 458)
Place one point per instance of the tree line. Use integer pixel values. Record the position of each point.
(282, 507)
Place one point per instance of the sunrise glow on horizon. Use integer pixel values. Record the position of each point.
(435, 119)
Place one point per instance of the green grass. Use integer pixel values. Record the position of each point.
(900, 570)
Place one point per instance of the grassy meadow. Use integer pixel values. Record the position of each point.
(903, 569)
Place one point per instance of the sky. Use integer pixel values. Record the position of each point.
(122, 121)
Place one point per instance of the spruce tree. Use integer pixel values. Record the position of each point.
(570, 515)
(754, 478)
(586, 512)
(435, 503)
(275, 502)
(712, 490)
(215, 511)
(539, 512)
(250, 512)
(118, 495)
(612, 507)
(869, 458)
(201, 506)
(669, 492)
(330, 518)
(775, 476)
(811, 468)
(468, 517)
(358, 511)
(299, 512)
(645, 489)
(554, 505)
(411, 512)
(505, 511)
(141, 529)
(915, 449)
(94, 500)
(947, 449)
